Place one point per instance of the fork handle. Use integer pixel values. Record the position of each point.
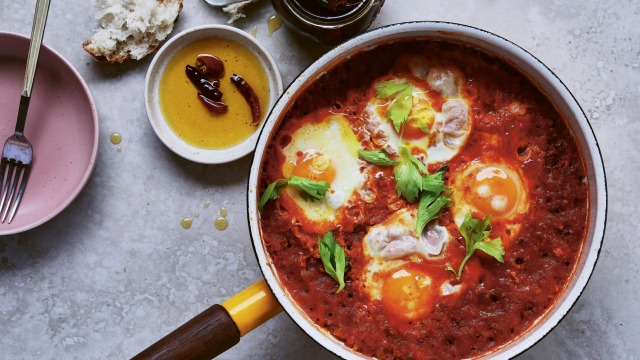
(37, 33)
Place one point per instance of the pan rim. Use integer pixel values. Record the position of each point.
(440, 29)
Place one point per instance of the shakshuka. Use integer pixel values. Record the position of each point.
(423, 200)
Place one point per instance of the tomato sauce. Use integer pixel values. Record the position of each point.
(513, 122)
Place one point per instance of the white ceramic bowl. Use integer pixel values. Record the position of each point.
(152, 82)
(540, 75)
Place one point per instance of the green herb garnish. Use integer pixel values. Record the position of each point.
(386, 89)
(378, 157)
(422, 126)
(333, 258)
(401, 96)
(408, 174)
(408, 169)
(432, 200)
(272, 192)
(474, 231)
(315, 189)
(411, 175)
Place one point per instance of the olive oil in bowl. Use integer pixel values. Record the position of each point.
(189, 119)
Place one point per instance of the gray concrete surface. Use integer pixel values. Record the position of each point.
(115, 271)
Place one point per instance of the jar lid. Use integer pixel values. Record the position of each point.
(328, 21)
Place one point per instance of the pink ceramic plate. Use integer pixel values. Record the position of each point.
(62, 125)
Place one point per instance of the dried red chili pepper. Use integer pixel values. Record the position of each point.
(213, 106)
(249, 95)
(203, 85)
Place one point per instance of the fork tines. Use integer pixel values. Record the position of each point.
(14, 173)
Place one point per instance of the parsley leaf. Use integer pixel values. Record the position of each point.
(386, 89)
(414, 160)
(493, 248)
(333, 258)
(316, 189)
(435, 182)
(474, 231)
(378, 157)
(432, 201)
(272, 192)
(422, 126)
(401, 95)
(408, 171)
(408, 174)
(401, 107)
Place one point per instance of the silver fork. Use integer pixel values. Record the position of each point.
(17, 154)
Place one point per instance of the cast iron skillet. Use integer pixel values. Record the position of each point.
(221, 326)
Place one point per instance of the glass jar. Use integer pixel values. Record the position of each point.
(323, 23)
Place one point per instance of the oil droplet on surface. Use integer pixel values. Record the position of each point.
(206, 204)
(221, 223)
(223, 212)
(254, 31)
(115, 138)
(119, 148)
(274, 22)
(186, 223)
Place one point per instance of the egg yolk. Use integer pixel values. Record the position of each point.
(316, 166)
(421, 119)
(493, 192)
(407, 293)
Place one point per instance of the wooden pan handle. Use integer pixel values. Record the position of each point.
(218, 328)
(206, 336)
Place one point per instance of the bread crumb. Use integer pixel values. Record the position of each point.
(234, 10)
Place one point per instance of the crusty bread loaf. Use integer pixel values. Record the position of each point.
(131, 29)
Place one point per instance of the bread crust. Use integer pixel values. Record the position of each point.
(119, 54)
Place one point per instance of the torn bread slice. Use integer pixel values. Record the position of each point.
(131, 29)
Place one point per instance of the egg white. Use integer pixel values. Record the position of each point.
(382, 129)
(334, 138)
(445, 80)
(392, 245)
(450, 128)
